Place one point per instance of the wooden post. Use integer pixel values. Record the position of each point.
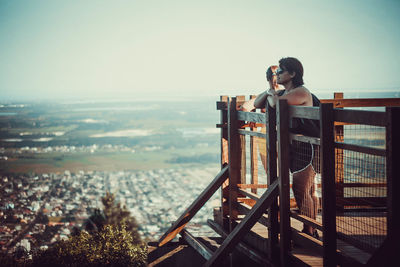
(282, 115)
(240, 99)
(393, 173)
(224, 160)
(273, 230)
(234, 161)
(339, 137)
(253, 157)
(328, 184)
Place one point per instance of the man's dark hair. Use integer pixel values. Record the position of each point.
(292, 64)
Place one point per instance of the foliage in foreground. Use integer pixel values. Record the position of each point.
(112, 246)
(114, 214)
(110, 238)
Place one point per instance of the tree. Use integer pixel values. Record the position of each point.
(116, 215)
(112, 246)
(110, 238)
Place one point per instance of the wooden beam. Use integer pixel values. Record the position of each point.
(252, 133)
(349, 102)
(339, 158)
(328, 184)
(282, 121)
(197, 204)
(361, 149)
(194, 243)
(363, 102)
(306, 240)
(362, 201)
(305, 139)
(307, 220)
(249, 194)
(251, 117)
(364, 184)
(224, 159)
(242, 146)
(242, 247)
(374, 118)
(244, 226)
(253, 156)
(235, 154)
(311, 113)
(245, 209)
(393, 171)
(272, 176)
(252, 186)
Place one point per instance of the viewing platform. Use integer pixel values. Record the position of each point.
(356, 160)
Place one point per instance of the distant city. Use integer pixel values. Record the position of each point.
(37, 211)
(57, 160)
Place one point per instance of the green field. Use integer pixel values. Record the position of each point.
(108, 161)
(179, 130)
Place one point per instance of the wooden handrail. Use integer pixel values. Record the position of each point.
(188, 214)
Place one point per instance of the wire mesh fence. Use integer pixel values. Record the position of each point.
(361, 188)
(360, 182)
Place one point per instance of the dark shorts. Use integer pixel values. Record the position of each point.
(302, 155)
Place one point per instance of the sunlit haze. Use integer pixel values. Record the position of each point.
(142, 49)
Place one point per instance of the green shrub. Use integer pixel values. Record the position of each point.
(111, 246)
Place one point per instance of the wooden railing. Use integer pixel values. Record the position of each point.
(236, 200)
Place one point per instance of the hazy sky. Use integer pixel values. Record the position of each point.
(128, 49)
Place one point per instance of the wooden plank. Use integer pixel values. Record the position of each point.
(361, 149)
(251, 117)
(235, 154)
(362, 201)
(252, 186)
(243, 248)
(349, 102)
(242, 159)
(244, 226)
(242, 146)
(249, 194)
(224, 158)
(188, 214)
(253, 159)
(374, 118)
(363, 102)
(307, 220)
(339, 157)
(364, 184)
(247, 201)
(328, 183)
(282, 121)
(253, 156)
(304, 112)
(252, 133)
(306, 240)
(393, 171)
(245, 209)
(194, 243)
(272, 176)
(305, 139)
